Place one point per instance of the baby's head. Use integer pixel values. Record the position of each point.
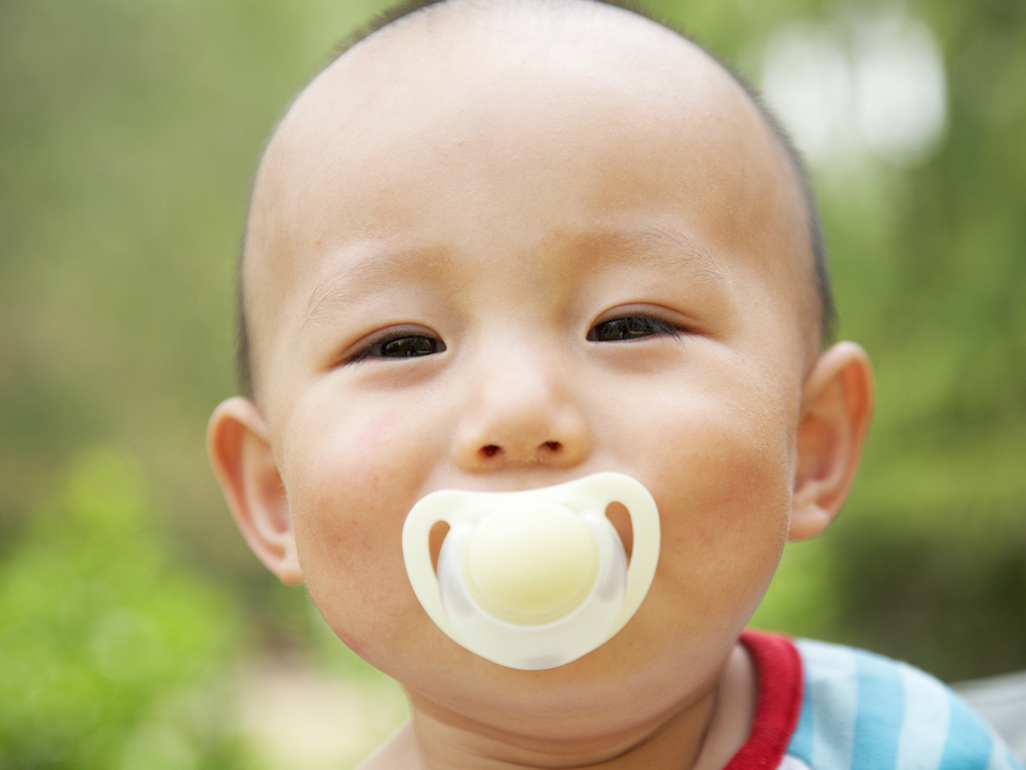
(504, 245)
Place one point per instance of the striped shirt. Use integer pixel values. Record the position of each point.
(826, 707)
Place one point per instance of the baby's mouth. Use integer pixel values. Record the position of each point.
(534, 579)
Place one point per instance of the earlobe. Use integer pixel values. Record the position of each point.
(837, 404)
(241, 455)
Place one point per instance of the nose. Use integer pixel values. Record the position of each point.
(521, 411)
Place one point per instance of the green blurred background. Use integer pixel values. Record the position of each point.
(136, 630)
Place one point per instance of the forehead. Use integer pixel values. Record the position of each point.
(424, 130)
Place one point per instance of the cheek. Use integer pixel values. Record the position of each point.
(725, 504)
(351, 479)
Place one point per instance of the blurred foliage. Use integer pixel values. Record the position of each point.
(128, 136)
(113, 657)
(928, 561)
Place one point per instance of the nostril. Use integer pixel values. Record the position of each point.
(553, 446)
(490, 450)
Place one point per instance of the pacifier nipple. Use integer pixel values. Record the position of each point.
(533, 579)
(531, 564)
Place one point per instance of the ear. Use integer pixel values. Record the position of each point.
(837, 403)
(240, 453)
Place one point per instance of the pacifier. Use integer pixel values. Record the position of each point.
(533, 579)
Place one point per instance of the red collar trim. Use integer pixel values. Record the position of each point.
(779, 667)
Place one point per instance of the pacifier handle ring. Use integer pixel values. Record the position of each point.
(417, 555)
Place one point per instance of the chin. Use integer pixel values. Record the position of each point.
(622, 685)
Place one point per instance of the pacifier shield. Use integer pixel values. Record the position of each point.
(533, 579)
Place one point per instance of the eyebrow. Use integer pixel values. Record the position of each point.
(374, 264)
(666, 247)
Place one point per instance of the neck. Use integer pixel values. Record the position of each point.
(701, 734)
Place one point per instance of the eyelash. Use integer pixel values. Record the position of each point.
(631, 327)
(634, 327)
(376, 348)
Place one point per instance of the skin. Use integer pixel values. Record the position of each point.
(500, 194)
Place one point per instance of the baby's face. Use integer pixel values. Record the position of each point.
(508, 270)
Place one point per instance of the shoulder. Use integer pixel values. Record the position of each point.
(861, 710)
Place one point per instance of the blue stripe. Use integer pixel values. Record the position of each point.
(969, 745)
(926, 720)
(881, 711)
(832, 682)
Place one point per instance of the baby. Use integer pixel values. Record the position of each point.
(502, 245)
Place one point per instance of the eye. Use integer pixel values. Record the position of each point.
(632, 327)
(401, 344)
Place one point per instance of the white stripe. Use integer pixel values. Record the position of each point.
(998, 754)
(834, 691)
(925, 729)
(792, 763)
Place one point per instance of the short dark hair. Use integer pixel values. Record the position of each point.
(828, 312)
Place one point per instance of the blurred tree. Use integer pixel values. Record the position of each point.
(112, 656)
